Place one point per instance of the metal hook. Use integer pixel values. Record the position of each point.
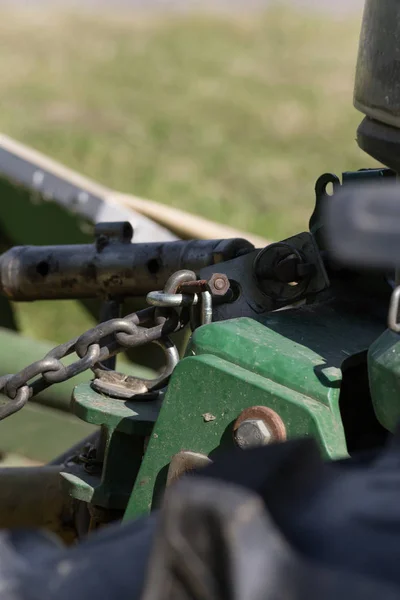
(125, 387)
(393, 314)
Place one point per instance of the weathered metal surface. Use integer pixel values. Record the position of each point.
(124, 426)
(290, 363)
(253, 295)
(16, 351)
(82, 271)
(279, 375)
(122, 386)
(128, 417)
(264, 417)
(218, 285)
(102, 342)
(93, 347)
(210, 384)
(252, 433)
(302, 349)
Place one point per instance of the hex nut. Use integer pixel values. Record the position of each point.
(218, 284)
(268, 416)
(252, 433)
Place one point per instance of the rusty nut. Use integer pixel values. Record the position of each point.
(258, 426)
(252, 433)
(218, 284)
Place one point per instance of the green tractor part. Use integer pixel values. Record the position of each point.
(384, 372)
(258, 346)
(228, 342)
(283, 375)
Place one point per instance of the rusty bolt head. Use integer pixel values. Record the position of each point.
(263, 426)
(219, 284)
(252, 433)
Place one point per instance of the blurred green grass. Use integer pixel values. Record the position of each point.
(230, 117)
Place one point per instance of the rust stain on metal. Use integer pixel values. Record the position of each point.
(68, 282)
(89, 272)
(217, 285)
(193, 287)
(271, 419)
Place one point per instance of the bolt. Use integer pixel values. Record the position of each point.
(218, 284)
(252, 433)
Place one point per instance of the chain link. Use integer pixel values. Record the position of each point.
(14, 404)
(107, 339)
(197, 298)
(92, 347)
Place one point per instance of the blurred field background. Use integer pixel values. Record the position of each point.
(231, 116)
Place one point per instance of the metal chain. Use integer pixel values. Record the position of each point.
(92, 347)
(167, 301)
(184, 290)
(166, 315)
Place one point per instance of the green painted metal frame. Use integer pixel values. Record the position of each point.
(124, 426)
(384, 378)
(43, 430)
(290, 362)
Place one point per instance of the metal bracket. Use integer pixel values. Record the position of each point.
(255, 279)
(124, 427)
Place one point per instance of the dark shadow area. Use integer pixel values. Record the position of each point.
(159, 487)
(226, 442)
(344, 321)
(362, 429)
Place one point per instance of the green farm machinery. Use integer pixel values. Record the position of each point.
(224, 344)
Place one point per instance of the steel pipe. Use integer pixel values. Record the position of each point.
(117, 270)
